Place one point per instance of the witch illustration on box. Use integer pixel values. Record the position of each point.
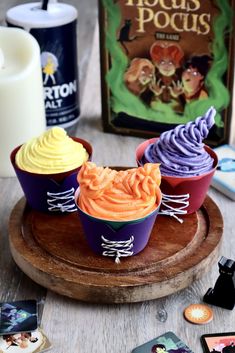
(189, 50)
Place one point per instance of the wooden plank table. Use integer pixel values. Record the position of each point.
(80, 327)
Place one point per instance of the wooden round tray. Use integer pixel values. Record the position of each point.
(52, 251)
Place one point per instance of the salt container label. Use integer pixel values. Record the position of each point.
(60, 73)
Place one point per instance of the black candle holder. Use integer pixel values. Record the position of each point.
(45, 4)
(223, 293)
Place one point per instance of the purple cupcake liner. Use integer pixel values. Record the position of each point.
(47, 195)
(117, 239)
(50, 192)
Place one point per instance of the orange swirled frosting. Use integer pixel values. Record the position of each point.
(119, 195)
(52, 152)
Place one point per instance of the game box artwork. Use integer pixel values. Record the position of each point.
(165, 62)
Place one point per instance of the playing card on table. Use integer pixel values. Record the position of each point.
(18, 316)
(166, 343)
(27, 342)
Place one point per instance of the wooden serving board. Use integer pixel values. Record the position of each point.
(52, 251)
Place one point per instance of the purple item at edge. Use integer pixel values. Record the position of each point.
(50, 192)
(128, 240)
(47, 195)
(181, 150)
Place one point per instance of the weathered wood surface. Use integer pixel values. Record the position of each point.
(79, 327)
(53, 251)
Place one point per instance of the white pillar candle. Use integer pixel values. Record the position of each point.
(22, 112)
(55, 31)
(1, 58)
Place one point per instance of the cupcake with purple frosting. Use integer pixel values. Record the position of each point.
(186, 163)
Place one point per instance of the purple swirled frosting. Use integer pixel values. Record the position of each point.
(181, 150)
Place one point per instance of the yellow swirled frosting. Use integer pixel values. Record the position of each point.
(52, 152)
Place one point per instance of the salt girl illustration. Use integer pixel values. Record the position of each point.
(49, 64)
(54, 92)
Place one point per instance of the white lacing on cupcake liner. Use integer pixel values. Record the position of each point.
(117, 248)
(174, 211)
(61, 201)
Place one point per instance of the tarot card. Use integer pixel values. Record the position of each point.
(219, 342)
(166, 343)
(18, 316)
(27, 342)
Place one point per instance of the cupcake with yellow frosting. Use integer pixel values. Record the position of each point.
(47, 168)
(118, 208)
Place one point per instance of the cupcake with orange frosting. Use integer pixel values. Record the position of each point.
(118, 208)
(47, 168)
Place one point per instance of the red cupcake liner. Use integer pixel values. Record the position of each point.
(181, 195)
